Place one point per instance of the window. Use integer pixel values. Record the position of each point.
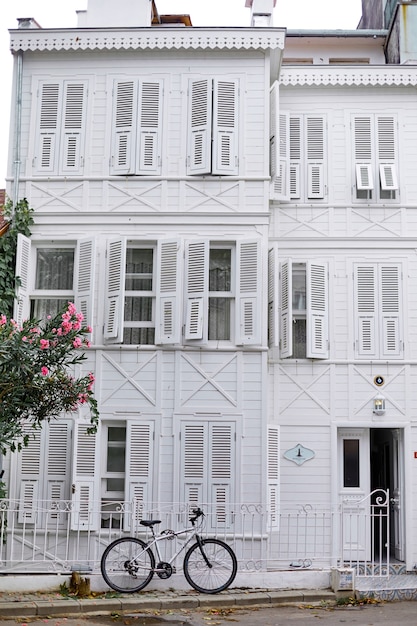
(213, 127)
(378, 328)
(304, 310)
(139, 314)
(375, 158)
(54, 281)
(220, 294)
(137, 127)
(61, 127)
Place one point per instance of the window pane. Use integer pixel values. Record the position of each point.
(139, 336)
(299, 336)
(115, 484)
(117, 433)
(299, 290)
(138, 309)
(351, 463)
(42, 307)
(220, 269)
(139, 269)
(54, 268)
(219, 319)
(116, 449)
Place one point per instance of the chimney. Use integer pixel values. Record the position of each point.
(117, 13)
(261, 12)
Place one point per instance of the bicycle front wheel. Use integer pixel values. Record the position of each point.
(127, 565)
(210, 567)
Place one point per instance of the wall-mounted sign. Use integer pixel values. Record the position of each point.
(379, 381)
(299, 454)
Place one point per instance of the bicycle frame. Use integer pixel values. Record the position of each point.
(156, 539)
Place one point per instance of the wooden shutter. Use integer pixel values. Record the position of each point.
(84, 288)
(279, 143)
(193, 463)
(74, 112)
(387, 152)
(249, 285)
(315, 146)
(21, 310)
(57, 475)
(168, 292)
(295, 131)
(273, 476)
(30, 476)
(286, 309)
(364, 176)
(221, 471)
(363, 151)
(317, 311)
(199, 127)
(365, 310)
(124, 127)
(85, 497)
(49, 111)
(390, 290)
(139, 469)
(196, 283)
(225, 127)
(115, 283)
(273, 294)
(150, 116)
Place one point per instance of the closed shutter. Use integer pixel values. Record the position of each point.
(273, 294)
(22, 304)
(295, 157)
(386, 151)
(124, 128)
(273, 476)
(225, 127)
(366, 308)
(363, 151)
(30, 477)
(115, 282)
(286, 309)
(221, 468)
(315, 142)
(193, 463)
(150, 116)
(199, 127)
(74, 108)
(279, 148)
(58, 445)
(84, 288)
(139, 470)
(196, 283)
(317, 311)
(168, 293)
(48, 126)
(85, 496)
(248, 292)
(390, 283)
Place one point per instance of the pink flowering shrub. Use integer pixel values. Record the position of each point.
(37, 373)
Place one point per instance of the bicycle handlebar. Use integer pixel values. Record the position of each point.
(196, 514)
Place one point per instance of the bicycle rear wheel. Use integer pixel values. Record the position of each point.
(127, 565)
(210, 568)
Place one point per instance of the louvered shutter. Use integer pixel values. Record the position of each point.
(84, 288)
(390, 289)
(365, 310)
(279, 148)
(196, 283)
(30, 477)
(221, 472)
(273, 476)
(295, 130)
(364, 176)
(22, 303)
(58, 445)
(225, 127)
(315, 142)
(363, 151)
(150, 116)
(139, 470)
(386, 151)
(286, 309)
(48, 126)
(248, 292)
(124, 128)
(168, 292)
(74, 107)
(317, 311)
(199, 127)
(194, 445)
(273, 294)
(115, 282)
(85, 490)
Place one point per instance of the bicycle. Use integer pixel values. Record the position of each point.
(209, 566)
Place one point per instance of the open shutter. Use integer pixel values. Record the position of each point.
(390, 283)
(364, 176)
(315, 141)
(85, 484)
(295, 157)
(115, 282)
(248, 292)
(193, 463)
(22, 304)
(388, 176)
(273, 294)
(30, 476)
(286, 309)
(139, 470)
(317, 311)
(273, 476)
(74, 108)
(49, 109)
(58, 444)
(199, 127)
(168, 293)
(124, 128)
(84, 289)
(196, 281)
(365, 310)
(387, 153)
(279, 146)
(150, 116)
(221, 471)
(363, 152)
(225, 127)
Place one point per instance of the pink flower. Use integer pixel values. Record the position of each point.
(44, 343)
(3, 320)
(89, 329)
(44, 371)
(77, 342)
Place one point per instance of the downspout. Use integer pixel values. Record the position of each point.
(17, 127)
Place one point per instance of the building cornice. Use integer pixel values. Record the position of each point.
(354, 75)
(147, 39)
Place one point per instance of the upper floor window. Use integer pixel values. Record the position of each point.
(375, 158)
(213, 125)
(139, 309)
(54, 280)
(61, 121)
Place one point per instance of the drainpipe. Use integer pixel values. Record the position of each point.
(17, 126)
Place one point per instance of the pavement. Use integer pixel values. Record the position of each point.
(57, 604)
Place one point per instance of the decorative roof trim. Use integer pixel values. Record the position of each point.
(149, 38)
(382, 75)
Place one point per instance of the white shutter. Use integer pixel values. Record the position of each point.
(286, 309)
(49, 111)
(199, 127)
(150, 116)
(273, 476)
(196, 283)
(124, 128)
(193, 463)
(58, 444)
(364, 176)
(388, 176)
(30, 476)
(73, 129)
(248, 292)
(279, 148)
(365, 310)
(168, 292)
(295, 131)
(317, 311)
(84, 288)
(390, 289)
(225, 127)
(22, 303)
(85, 490)
(115, 283)
(315, 142)
(273, 294)
(221, 471)
(363, 151)
(139, 469)
(387, 152)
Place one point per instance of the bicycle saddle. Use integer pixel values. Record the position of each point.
(150, 522)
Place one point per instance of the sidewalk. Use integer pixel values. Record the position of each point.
(39, 604)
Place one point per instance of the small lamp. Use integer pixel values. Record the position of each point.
(379, 405)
